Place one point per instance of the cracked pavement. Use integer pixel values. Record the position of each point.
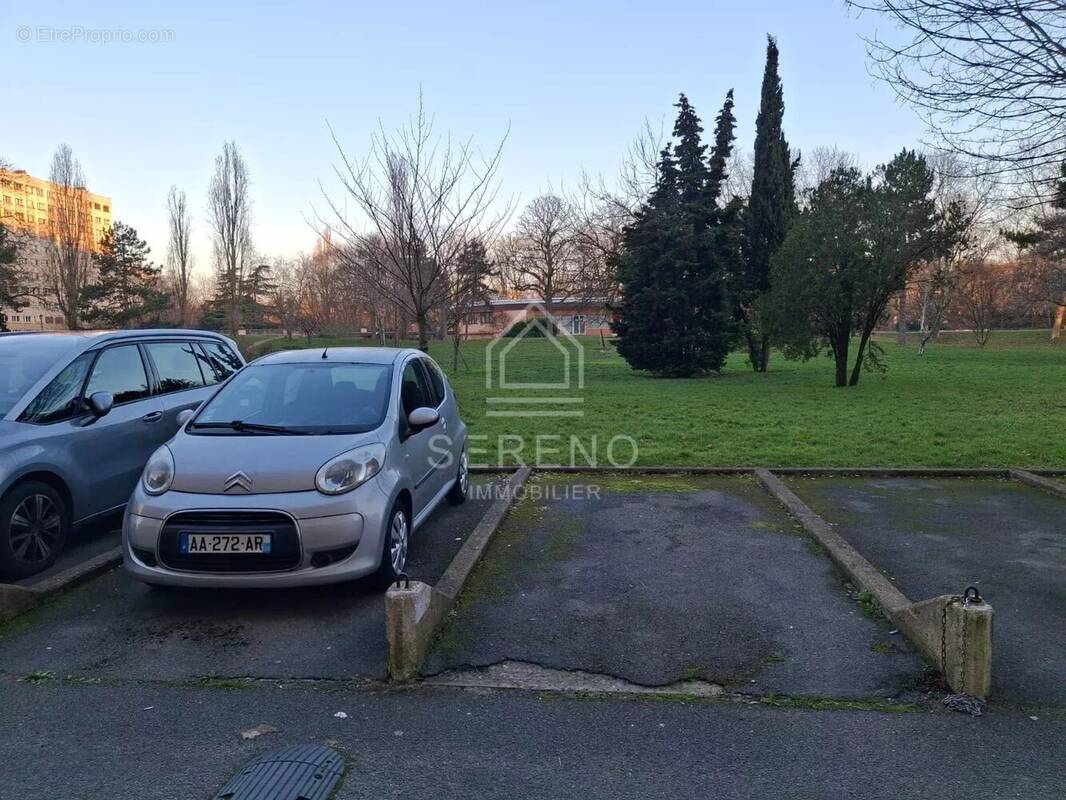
(686, 578)
(113, 691)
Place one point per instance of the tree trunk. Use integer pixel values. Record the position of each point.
(1060, 317)
(422, 322)
(901, 316)
(758, 352)
(858, 358)
(840, 356)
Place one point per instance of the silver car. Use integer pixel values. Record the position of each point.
(305, 468)
(80, 413)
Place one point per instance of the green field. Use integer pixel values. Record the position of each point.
(958, 406)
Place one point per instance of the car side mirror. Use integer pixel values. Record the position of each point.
(101, 403)
(185, 416)
(422, 418)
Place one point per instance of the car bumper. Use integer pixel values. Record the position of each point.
(348, 529)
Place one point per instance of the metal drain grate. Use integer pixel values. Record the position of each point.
(296, 772)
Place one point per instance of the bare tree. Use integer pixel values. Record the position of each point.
(285, 297)
(179, 257)
(468, 285)
(229, 208)
(559, 254)
(818, 164)
(316, 284)
(423, 197)
(70, 242)
(982, 293)
(543, 254)
(988, 77)
(967, 200)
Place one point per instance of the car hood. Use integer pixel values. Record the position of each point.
(15, 434)
(208, 464)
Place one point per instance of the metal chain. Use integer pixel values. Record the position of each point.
(971, 596)
(944, 636)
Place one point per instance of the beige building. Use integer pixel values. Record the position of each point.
(25, 204)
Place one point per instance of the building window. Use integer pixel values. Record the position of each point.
(576, 324)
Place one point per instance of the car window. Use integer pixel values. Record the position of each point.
(218, 361)
(61, 398)
(413, 389)
(177, 365)
(23, 360)
(436, 380)
(309, 398)
(119, 370)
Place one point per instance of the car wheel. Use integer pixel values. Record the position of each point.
(397, 539)
(460, 490)
(34, 523)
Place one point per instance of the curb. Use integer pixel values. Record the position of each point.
(16, 599)
(415, 612)
(828, 472)
(1039, 482)
(953, 635)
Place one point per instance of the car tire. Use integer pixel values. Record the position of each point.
(34, 525)
(460, 490)
(394, 562)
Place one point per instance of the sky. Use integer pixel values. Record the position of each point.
(570, 83)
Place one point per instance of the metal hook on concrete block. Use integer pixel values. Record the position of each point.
(972, 596)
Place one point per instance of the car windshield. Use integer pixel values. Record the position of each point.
(299, 398)
(23, 360)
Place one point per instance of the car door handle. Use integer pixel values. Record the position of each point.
(154, 416)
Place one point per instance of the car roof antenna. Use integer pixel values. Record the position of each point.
(324, 353)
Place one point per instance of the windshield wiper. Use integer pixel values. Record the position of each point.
(249, 427)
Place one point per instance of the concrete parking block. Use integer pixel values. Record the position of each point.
(414, 611)
(953, 632)
(936, 536)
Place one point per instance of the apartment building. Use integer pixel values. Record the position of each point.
(26, 204)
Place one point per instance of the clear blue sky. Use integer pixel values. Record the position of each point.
(573, 80)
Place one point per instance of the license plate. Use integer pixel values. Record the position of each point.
(203, 544)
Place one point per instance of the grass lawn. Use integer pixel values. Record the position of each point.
(959, 405)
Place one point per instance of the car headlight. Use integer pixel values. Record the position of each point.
(348, 470)
(159, 471)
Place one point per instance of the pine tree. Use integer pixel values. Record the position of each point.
(11, 296)
(770, 206)
(725, 126)
(126, 292)
(643, 316)
(675, 317)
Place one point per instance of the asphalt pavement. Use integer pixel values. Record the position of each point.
(938, 536)
(114, 627)
(664, 579)
(100, 742)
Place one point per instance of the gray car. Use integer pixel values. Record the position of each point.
(306, 468)
(80, 414)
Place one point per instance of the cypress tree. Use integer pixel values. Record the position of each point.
(770, 206)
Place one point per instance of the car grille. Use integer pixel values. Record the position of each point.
(284, 543)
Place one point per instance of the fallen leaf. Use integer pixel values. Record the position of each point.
(257, 731)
